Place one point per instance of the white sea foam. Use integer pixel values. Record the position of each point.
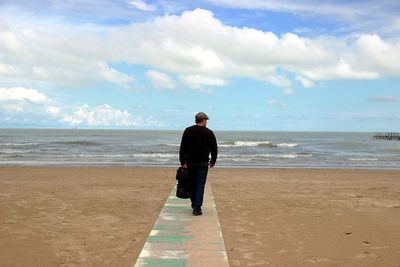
(173, 145)
(147, 155)
(241, 159)
(286, 156)
(155, 155)
(282, 156)
(138, 155)
(12, 151)
(101, 156)
(287, 145)
(251, 156)
(20, 144)
(363, 159)
(246, 143)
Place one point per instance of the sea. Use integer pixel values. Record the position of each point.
(251, 149)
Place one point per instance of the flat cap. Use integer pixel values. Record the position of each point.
(200, 117)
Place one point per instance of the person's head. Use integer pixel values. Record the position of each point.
(201, 118)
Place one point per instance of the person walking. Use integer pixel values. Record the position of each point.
(196, 145)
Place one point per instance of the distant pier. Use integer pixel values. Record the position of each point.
(386, 136)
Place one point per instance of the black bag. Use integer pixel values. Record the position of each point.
(182, 188)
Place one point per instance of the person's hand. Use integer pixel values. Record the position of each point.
(212, 165)
(184, 166)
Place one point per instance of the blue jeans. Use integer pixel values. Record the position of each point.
(197, 182)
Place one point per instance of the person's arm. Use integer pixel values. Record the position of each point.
(213, 149)
(182, 150)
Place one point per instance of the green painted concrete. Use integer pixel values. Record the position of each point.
(173, 209)
(179, 239)
(167, 227)
(162, 263)
(168, 239)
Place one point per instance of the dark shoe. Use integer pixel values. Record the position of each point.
(197, 212)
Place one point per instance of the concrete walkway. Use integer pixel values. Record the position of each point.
(180, 239)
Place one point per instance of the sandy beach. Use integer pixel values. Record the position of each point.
(269, 217)
(78, 216)
(309, 217)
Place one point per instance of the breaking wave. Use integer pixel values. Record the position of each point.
(267, 144)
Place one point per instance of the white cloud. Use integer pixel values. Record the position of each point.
(195, 46)
(58, 54)
(106, 116)
(22, 105)
(281, 82)
(161, 79)
(8, 70)
(22, 94)
(378, 55)
(199, 81)
(340, 70)
(112, 75)
(3, 25)
(143, 6)
(53, 110)
(196, 43)
(307, 83)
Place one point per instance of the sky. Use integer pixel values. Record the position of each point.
(258, 65)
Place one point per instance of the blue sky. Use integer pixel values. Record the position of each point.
(250, 65)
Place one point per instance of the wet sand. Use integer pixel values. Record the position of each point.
(269, 217)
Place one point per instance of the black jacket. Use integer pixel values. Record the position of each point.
(196, 145)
